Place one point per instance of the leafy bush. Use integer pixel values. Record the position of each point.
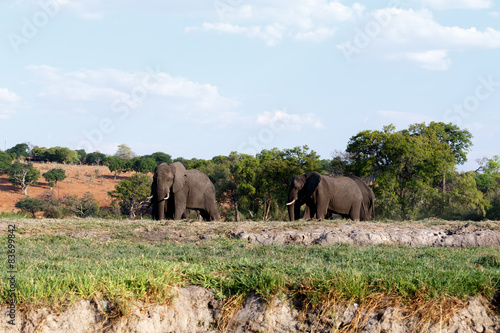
(132, 194)
(52, 206)
(84, 206)
(30, 205)
(54, 175)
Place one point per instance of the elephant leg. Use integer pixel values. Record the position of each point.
(214, 215)
(307, 213)
(321, 209)
(296, 211)
(179, 210)
(185, 214)
(212, 212)
(313, 211)
(205, 215)
(355, 212)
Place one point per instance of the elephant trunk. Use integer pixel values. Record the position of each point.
(161, 210)
(292, 198)
(162, 195)
(291, 212)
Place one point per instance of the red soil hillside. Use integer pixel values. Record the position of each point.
(79, 179)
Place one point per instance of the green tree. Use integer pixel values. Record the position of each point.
(62, 155)
(160, 158)
(132, 194)
(488, 182)
(54, 175)
(234, 180)
(21, 149)
(40, 154)
(30, 205)
(408, 165)
(124, 152)
(339, 164)
(465, 198)
(95, 158)
(5, 162)
(116, 164)
(142, 164)
(82, 154)
(23, 175)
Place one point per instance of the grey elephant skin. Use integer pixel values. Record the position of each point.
(176, 189)
(368, 207)
(322, 194)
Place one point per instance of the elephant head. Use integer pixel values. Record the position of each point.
(301, 190)
(167, 180)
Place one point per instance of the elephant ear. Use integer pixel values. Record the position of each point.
(179, 176)
(312, 182)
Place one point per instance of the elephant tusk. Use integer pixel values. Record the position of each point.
(290, 203)
(168, 196)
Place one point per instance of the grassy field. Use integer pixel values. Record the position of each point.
(59, 261)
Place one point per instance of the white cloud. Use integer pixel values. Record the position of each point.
(271, 34)
(9, 102)
(288, 121)
(318, 35)
(109, 90)
(417, 37)
(457, 4)
(433, 59)
(272, 21)
(417, 29)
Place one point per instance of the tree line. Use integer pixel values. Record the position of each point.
(413, 173)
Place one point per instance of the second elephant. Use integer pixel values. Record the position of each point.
(368, 207)
(176, 189)
(322, 194)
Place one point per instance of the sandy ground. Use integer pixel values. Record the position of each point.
(80, 179)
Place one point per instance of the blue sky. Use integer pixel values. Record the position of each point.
(204, 78)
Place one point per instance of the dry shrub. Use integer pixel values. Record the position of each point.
(232, 305)
(421, 311)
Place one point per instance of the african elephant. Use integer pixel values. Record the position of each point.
(368, 206)
(176, 189)
(321, 194)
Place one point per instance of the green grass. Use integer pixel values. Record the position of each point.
(56, 268)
